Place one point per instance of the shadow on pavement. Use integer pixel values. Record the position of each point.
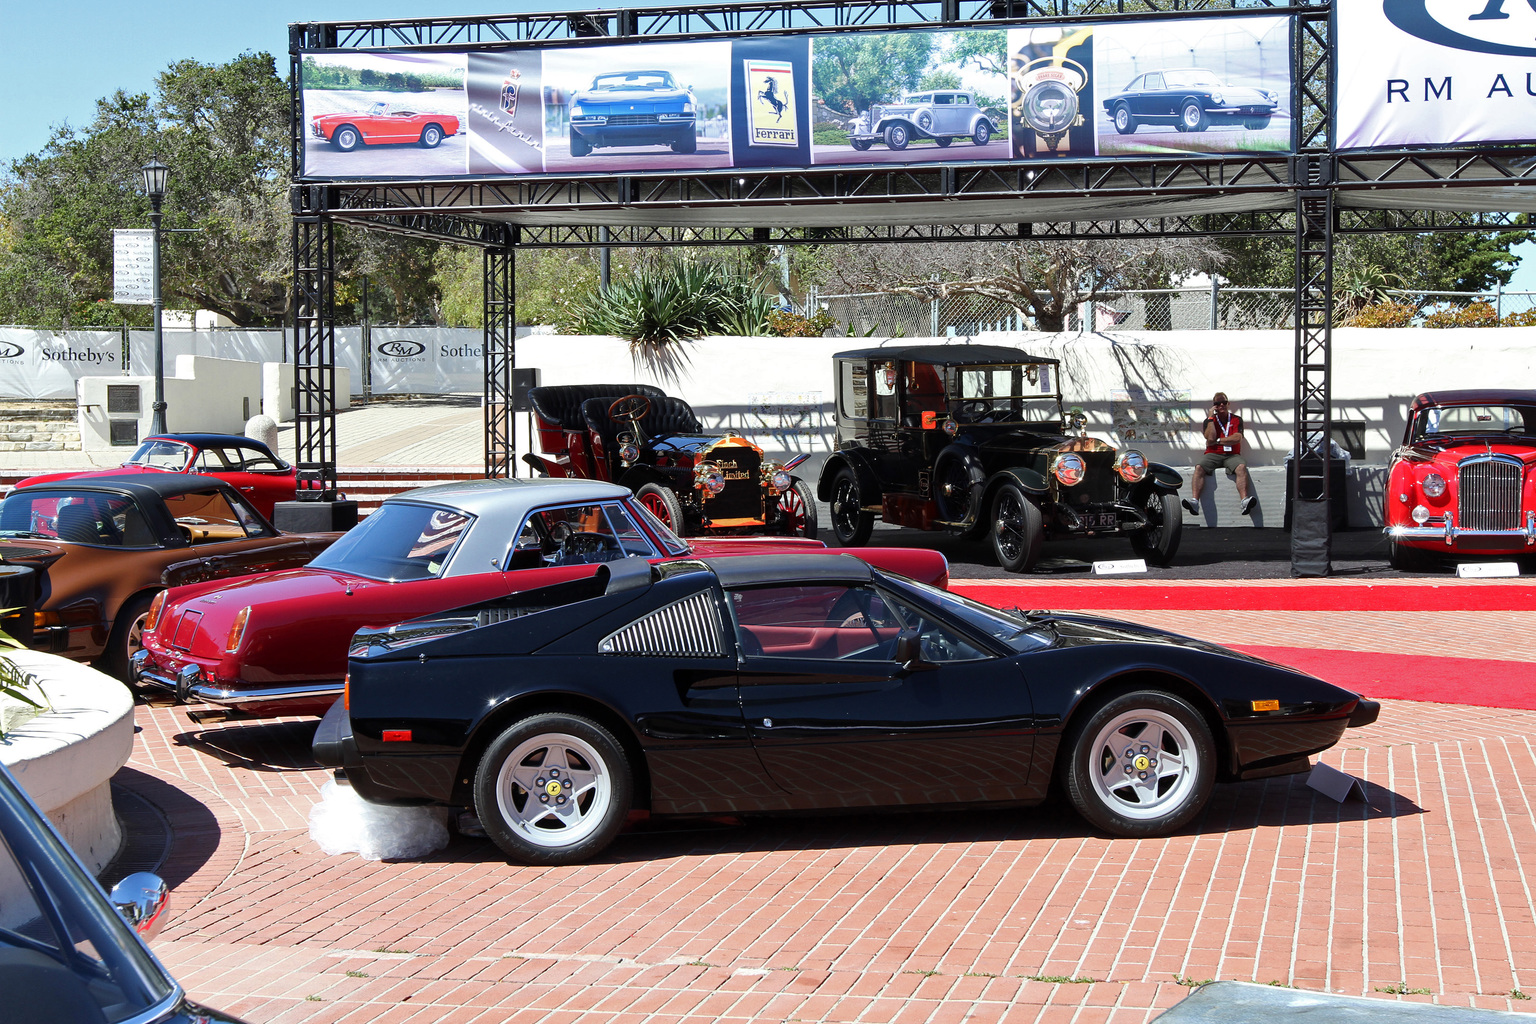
(258, 746)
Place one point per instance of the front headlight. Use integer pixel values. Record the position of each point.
(1069, 469)
(1216, 98)
(1433, 485)
(782, 481)
(1131, 465)
(629, 452)
(576, 110)
(1420, 514)
(708, 478)
(687, 108)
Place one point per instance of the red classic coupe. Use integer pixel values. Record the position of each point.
(248, 466)
(382, 124)
(277, 644)
(1464, 480)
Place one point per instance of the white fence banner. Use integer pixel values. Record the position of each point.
(428, 360)
(46, 364)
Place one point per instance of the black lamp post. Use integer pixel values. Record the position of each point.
(155, 174)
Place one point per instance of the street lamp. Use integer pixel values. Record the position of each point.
(155, 174)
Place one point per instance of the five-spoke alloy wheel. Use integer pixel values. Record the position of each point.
(553, 789)
(1142, 764)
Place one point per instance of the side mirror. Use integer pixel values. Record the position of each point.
(141, 899)
(909, 652)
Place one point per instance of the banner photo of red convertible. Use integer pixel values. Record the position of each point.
(384, 115)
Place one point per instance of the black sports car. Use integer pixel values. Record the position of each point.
(776, 683)
(1191, 100)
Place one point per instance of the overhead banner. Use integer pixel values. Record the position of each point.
(907, 96)
(1435, 73)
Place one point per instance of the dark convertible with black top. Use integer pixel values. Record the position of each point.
(783, 683)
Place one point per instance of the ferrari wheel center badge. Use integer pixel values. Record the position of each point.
(1142, 762)
(552, 787)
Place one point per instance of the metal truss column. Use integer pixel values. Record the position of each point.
(500, 357)
(314, 329)
(1311, 524)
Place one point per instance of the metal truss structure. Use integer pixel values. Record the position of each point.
(1308, 197)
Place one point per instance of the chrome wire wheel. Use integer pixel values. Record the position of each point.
(554, 790)
(1144, 762)
(1018, 530)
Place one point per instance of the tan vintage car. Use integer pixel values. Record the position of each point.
(102, 547)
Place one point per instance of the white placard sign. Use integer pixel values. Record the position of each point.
(1435, 72)
(133, 266)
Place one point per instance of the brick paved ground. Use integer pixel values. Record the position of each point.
(941, 917)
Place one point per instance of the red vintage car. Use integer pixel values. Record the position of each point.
(1464, 481)
(248, 466)
(277, 644)
(381, 124)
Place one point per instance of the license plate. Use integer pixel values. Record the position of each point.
(1100, 520)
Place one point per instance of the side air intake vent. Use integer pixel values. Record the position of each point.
(688, 628)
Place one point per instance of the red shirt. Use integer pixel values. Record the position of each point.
(1233, 424)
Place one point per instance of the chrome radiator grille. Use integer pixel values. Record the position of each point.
(632, 119)
(1488, 490)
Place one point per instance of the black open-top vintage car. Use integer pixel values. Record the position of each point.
(973, 439)
(786, 683)
(694, 482)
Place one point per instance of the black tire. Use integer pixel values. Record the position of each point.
(959, 484)
(662, 502)
(517, 789)
(347, 138)
(798, 506)
(983, 134)
(850, 523)
(688, 144)
(431, 135)
(1192, 117)
(1159, 542)
(942, 143)
(1255, 124)
(1125, 123)
(1018, 530)
(579, 145)
(1125, 790)
(860, 144)
(127, 635)
(896, 136)
(1410, 559)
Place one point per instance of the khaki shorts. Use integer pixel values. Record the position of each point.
(1212, 461)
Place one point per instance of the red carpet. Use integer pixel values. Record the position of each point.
(1359, 597)
(1491, 684)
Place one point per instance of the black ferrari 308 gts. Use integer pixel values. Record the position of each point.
(781, 683)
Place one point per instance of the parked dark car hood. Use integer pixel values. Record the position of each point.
(1018, 440)
(1080, 630)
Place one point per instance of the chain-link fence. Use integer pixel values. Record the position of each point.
(868, 314)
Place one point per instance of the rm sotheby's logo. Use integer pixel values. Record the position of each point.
(1485, 30)
(401, 349)
(10, 350)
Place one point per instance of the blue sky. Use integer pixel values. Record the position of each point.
(57, 59)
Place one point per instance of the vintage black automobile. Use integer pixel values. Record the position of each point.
(1190, 100)
(782, 683)
(694, 481)
(973, 439)
(66, 955)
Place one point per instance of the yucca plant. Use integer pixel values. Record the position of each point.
(19, 686)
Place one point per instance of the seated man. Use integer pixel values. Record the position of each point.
(1223, 432)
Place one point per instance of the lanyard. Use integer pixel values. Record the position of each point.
(1225, 427)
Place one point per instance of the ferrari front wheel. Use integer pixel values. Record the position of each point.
(1142, 764)
(553, 789)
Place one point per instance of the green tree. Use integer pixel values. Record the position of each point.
(855, 70)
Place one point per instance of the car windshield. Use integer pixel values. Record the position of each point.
(645, 81)
(670, 542)
(1513, 420)
(171, 455)
(1186, 78)
(1011, 627)
(72, 957)
(77, 517)
(1020, 393)
(401, 541)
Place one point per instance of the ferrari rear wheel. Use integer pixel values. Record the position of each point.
(346, 138)
(797, 507)
(127, 637)
(850, 523)
(431, 135)
(553, 789)
(1143, 764)
(662, 503)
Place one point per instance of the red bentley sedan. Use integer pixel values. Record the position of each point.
(1464, 481)
(277, 643)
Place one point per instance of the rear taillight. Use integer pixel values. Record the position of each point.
(346, 691)
(155, 608)
(237, 630)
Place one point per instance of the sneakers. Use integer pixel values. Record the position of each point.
(1247, 506)
(1191, 506)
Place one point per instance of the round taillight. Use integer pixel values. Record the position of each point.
(1433, 485)
(1131, 465)
(1069, 469)
(155, 607)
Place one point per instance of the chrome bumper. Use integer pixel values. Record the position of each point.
(1448, 532)
(188, 685)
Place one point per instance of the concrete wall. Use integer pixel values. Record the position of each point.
(277, 390)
